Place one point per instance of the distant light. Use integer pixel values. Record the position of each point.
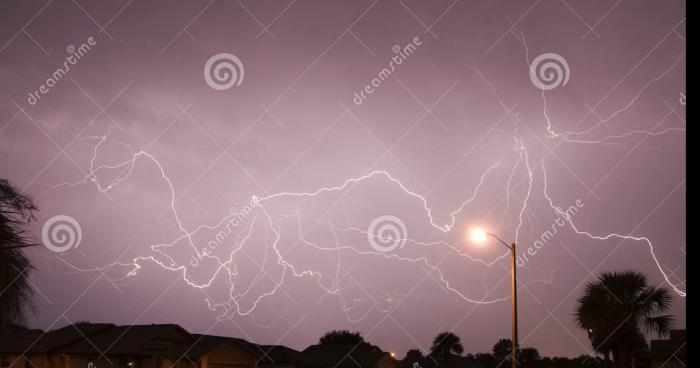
(478, 235)
(393, 355)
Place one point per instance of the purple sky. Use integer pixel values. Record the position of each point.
(151, 161)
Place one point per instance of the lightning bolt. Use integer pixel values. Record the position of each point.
(225, 267)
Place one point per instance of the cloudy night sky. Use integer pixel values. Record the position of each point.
(272, 170)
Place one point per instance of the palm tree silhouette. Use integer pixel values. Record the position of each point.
(617, 308)
(446, 344)
(528, 357)
(16, 210)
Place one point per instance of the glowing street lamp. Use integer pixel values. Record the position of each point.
(479, 236)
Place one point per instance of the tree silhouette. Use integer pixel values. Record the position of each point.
(528, 357)
(341, 337)
(502, 350)
(617, 308)
(485, 360)
(446, 344)
(413, 356)
(16, 211)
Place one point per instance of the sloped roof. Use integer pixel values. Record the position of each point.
(17, 340)
(142, 340)
(170, 340)
(351, 355)
(205, 343)
(279, 354)
(37, 341)
(271, 354)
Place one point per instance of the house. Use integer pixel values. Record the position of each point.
(361, 355)
(141, 346)
(215, 349)
(105, 345)
(20, 348)
(281, 356)
(668, 353)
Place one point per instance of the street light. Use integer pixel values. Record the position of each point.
(479, 236)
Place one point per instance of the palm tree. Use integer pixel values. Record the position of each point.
(617, 309)
(529, 357)
(16, 210)
(446, 344)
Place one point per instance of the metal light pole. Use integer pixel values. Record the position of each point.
(514, 288)
(480, 236)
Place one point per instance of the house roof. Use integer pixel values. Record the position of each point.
(18, 339)
(278, 354)
(350, 355)
(139, 340)
(37, 341)
(273, 354)
(205, 343)
(170, 340)
(674, 346)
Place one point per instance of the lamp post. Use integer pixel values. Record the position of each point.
(480, 236)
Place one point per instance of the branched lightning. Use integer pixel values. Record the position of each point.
(226, 267)
(565, 135)
(569, 219)
(244, 299)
